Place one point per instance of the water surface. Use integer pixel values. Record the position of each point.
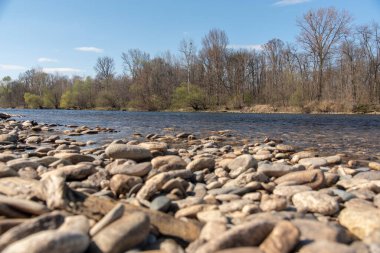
(358, 134)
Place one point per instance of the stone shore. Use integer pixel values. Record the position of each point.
(179, 193)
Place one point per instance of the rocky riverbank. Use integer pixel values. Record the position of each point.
(177, 193)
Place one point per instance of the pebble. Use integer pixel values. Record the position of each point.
(374, 165)
(327, 247)
(161, 203)
(242, 163)
(283, 238)
(51, 241)
(74, 158)
(7, 157)
(19, 163)
(180, 194)
(122, 184)
(8, 138)
(190, 211)
(121, 235)
(41, 223)
(312, 230)
(123, 151)
(110, 217)
(315, 202)
(273, 203)
(249, 234)
(314, 162)
(289, 190)
(159, 146)
(369, 175)
(24, 205)
(5, 171)
(361, 220)
(301, 155)
(213, 215)
(284, 148)
(277, 169)
(200, 164)
(312, 178)
(137, 170)
(74, 172)
(168, 163)
(212, 228)
(263, 157)
(241, 250)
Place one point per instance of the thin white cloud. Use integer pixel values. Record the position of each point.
(289, 2)
(45, 59)
(11, 67)
(61, 70)
(90, 49)
(246, 47)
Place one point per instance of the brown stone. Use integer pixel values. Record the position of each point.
(154, 185)
(201, 163)
(51, 241)
(248, 234)
(23, 205)
(74, 158)
(123, 151)
(122, 184)
(312, 178)
(241, 250)
(360, 220)
(137, 170)
(96, 208)
(313, 230)
(327, 247)
(273, 203)
(168, 163)
(374, 165)
(122, 234)
(282, 239)
(44, 222)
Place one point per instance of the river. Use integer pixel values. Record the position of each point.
(330, 134)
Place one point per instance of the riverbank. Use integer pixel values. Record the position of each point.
(312, 108)
(315, 108)
(174, 192)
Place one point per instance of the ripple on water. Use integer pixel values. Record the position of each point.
(329, 133)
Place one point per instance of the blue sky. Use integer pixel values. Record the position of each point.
(67, 36)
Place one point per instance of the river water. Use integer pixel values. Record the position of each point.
(330, 134)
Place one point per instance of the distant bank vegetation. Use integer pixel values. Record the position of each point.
(333, 66)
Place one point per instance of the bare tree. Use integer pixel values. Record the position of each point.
(105, 69)
(214, 56)
(274, 52)
(133, 61)
(187, 48)
(370, 43)
(321, 30)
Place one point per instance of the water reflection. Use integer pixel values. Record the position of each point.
(328, 133)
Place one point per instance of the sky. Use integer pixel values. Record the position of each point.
(67, 36)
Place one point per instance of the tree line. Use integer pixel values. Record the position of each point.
(334, 65)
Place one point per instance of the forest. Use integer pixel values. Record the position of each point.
(332, 66)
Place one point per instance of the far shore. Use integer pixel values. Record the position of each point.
(261, 109)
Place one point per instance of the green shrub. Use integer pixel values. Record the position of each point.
(189, 95)
(48, 100)
(67, 100)
(33, 101)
